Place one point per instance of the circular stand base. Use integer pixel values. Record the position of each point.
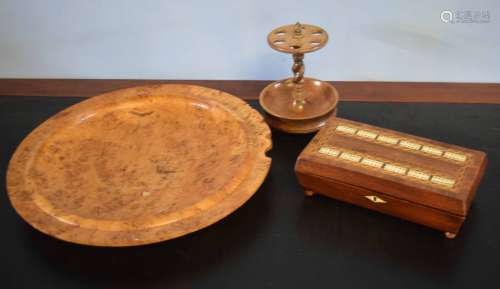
(298, 126)
(319, 103)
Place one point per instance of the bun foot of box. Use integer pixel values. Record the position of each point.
(450, 235)
(309, 193)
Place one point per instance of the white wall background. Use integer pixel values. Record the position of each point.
(226, 39)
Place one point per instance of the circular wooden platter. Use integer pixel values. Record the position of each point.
(139, 165)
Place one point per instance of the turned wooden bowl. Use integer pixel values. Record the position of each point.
(320, 103)
(139, 165)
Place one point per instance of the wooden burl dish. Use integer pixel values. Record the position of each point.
(139, 165)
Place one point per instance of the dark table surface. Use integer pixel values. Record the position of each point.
(279, 238)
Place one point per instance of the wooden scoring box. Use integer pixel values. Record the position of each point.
(413, 178)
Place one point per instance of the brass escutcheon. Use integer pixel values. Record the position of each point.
(375, 199)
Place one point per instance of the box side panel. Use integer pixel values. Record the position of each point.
(337, 172)
(477, 178)
(380, 202)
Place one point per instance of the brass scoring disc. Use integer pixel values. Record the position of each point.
(297, 38)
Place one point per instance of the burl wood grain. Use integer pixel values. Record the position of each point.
(139, 165)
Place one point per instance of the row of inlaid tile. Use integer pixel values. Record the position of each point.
(412, 145)
(386, 166)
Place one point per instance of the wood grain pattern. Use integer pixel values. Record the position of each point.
(250, 89)
(396, 207)
(139, 165)
(392, 166)
(298, 107)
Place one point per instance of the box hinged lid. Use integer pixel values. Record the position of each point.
(423, 171)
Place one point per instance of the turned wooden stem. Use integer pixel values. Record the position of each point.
(298, 67)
